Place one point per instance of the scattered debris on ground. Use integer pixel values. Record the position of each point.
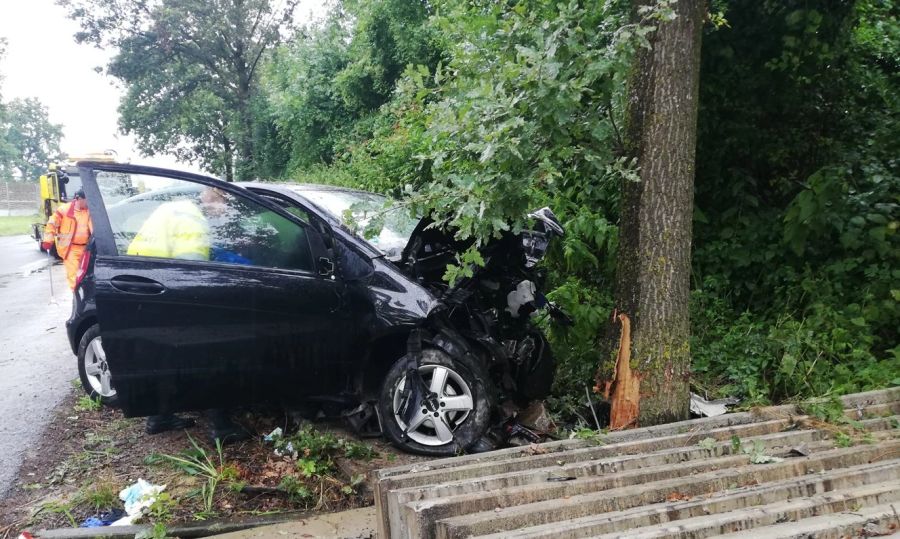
(89, 454)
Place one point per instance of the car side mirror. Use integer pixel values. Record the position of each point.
(326, 267)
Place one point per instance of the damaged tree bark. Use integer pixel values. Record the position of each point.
(623, 391)
(654, 260)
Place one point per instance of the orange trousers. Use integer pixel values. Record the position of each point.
(72, 261)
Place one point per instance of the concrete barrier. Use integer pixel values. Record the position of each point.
(645, 481)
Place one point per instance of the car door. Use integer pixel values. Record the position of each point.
(207, 295)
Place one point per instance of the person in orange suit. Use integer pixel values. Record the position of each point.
(70, 228)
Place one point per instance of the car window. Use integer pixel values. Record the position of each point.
(289, 207)
(161, 217)
(385, 224)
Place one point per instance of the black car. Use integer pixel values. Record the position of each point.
(198, 294)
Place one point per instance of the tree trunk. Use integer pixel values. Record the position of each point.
(654, 261)
(228, 159)
(245, 166)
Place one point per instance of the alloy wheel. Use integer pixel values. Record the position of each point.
(97, 370)
(454, 404)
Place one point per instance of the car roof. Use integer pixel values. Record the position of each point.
(301, 187)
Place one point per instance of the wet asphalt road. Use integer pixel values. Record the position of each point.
(36, 363)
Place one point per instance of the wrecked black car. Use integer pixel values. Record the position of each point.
(197, 294)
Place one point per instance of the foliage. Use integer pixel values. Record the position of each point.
(296, 489)
(190, 69)
(315, 453)
(513, 106)
(708, 443)
(162, 507)
(100, 495)
(589, 435)
(757, 453)
(198, 462)
(797, 210)
(28, 140)
(317, 450)
(326, 87)
(88, 404)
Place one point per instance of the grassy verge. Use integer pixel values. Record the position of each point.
(89, 453)
(17, 224)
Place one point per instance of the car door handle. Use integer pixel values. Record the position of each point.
(134, 284)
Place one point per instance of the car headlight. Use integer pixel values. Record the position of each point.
(534, 244)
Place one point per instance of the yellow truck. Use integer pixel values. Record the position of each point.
(57, 187)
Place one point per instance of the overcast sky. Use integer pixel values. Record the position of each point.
(43, 61)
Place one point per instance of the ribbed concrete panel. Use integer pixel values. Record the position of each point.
(661, 482)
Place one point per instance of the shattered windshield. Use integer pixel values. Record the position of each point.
(376, 218)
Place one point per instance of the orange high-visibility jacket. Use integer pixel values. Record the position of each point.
(68, 226)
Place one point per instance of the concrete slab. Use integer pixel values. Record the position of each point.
(651, 477)
(421, 515)
(769, 515)
(352, 524)
(722, 502)
(868, 522)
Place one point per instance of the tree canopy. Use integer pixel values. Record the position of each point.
(190, 69)
(30, 138)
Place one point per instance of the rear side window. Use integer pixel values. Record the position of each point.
(154, 216)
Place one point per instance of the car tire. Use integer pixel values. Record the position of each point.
(463, 379)
(96, 379)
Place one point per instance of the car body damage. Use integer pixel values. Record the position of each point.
(201, 294)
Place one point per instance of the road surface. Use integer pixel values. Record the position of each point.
(36, 363)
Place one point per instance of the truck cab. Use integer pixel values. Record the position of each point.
(58, 185)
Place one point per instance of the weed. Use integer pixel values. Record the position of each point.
(100, 495)
(757, 453)
(829, 411)
(590, 435)
(309, 467)
(162, 507)
(154, 459)
(88, 404)
(842, 439)
(197, 461)
(359, 450)
(317, 450)
(708, 443)
(295, 489)
(355, 482)
(56, 507)
(75, 383)
(735, 444)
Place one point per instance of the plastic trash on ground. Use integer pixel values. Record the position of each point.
(137, 497)
(288, 451)
(277, 433)
(103, 519)
(703, 407)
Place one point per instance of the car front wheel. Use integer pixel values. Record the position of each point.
(96, 379)
(457, 416)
